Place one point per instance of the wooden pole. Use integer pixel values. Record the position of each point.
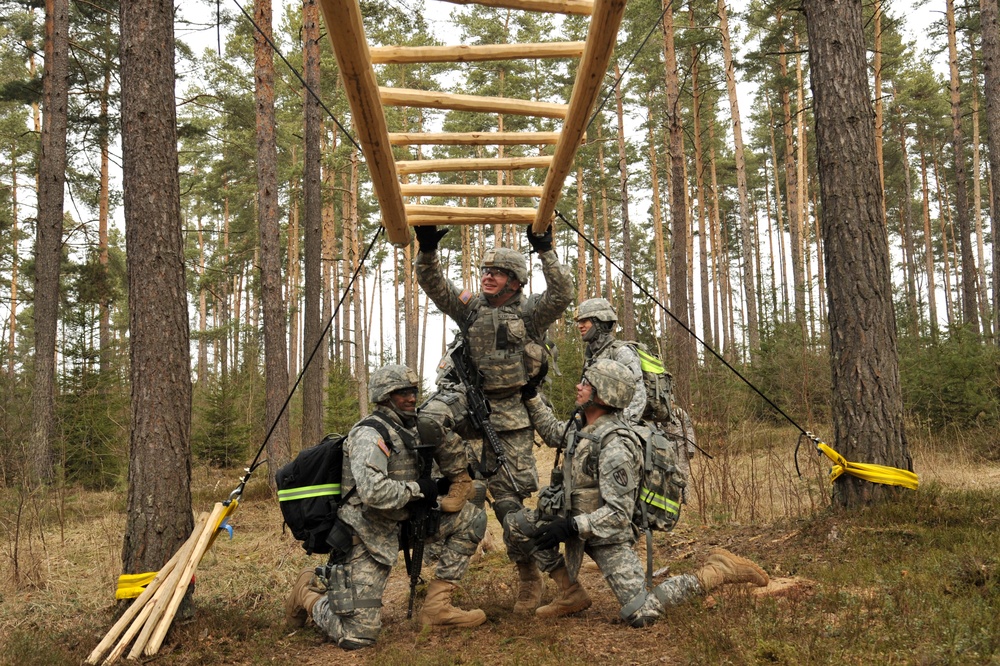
(401, 55)
(472, 164)
(473, 138)
(432, 99)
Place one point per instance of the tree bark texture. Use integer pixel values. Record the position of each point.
(275, 353)
(991, 75)
(48, 237)
(748, 230)
(970, 311)
(867, 404)
(312, 220)
(628, 311)
(681, 343)
(159, 477)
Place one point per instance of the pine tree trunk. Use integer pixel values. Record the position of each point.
(977, 203)
(628, 311)
(867, 405)
(699, 192)
(991, 76)
(879, 115)
(294, 320)
(202, 308)
(275, 350)
(944, 222)
(48, 238)
(928, 246)
(779, 221)
(103, 207)
(581, 244)
(792, 199)
(681, 345)
(14, 263)
(748, 228)
(659, 247)
(360, 336)
(906, 225)
(970, 309)
(159, 473)
(312, 384)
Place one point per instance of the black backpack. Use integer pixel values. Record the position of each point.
(309, 489)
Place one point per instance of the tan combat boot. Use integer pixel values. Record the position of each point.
(724, 568)
(529, 594)
(300, 602)
(458, 494)
(438, 611)
(572, 598)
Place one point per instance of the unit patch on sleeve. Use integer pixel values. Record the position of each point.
(620, 477)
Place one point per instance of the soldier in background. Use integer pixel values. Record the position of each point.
(596, 319)
(593, 510)
(505, 331)
(380, 483)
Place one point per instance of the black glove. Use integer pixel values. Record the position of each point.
(429, 490)
(443, 485)
(428, 237)
(539, 242)
(530, 390)
(554, 533)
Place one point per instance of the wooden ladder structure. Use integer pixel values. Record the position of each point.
(367, 98)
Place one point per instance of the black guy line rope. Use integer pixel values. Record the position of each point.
(299, 77)
(319, 343)
(694, 335)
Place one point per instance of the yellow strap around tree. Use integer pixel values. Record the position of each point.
(131, 586)
(890, 476)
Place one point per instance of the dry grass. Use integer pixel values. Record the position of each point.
(919, 573)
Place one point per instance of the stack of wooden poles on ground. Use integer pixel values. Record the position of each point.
(151, 614)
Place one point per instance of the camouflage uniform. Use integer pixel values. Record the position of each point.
(384, 476)
(505, 361)
(602, 485)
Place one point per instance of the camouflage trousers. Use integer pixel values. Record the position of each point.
(618, 563)
(448, 552)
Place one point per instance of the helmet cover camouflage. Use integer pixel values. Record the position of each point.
(508, 260)
(596, 308)
(390, 378)
(613, 383)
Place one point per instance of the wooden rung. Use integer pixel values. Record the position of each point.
(581, 7)
(463, 190)
(473, 138)
(474, 53)
(456, 102)
(471, 164)
(417, 215)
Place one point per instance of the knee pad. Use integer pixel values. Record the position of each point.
(432, 429)
(505, 506)
(477, 529)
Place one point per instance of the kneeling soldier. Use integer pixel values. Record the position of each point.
(380, 483)
(592, 511)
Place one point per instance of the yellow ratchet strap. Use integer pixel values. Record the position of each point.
(889, 476)
(131, 586)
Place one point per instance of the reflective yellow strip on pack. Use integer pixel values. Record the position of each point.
(308, 491)
(651, 363)
(659, 501)
(889, 476)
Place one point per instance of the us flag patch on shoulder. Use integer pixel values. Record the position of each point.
(385, 448)
(465, 296)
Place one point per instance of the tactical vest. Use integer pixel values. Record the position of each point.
(586, 497)
(402, 464)
(503, 347)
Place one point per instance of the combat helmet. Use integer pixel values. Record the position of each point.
(613, 383)
(598, 309)
(509, 260)
(390, 378)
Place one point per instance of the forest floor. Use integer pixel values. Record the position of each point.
(914, 581)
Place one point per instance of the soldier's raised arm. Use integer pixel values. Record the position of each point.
(545, 422)
(430, 275)
(558, 292)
